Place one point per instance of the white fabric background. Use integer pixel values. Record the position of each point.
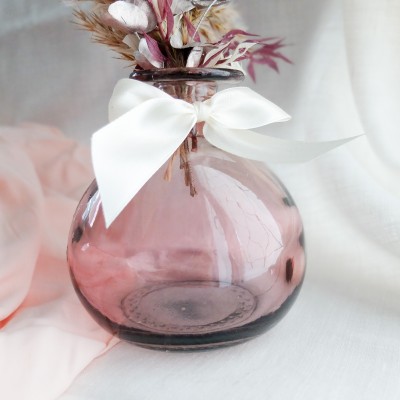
(341, 340)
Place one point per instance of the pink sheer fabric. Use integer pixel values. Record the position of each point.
(46, 337)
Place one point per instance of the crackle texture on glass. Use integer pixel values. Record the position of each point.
(176, 271)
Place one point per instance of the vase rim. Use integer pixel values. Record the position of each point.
(187, 74)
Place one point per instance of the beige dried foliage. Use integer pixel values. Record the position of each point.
(104, 34)
(219, 21)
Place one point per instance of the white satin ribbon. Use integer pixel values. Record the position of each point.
(148, 125)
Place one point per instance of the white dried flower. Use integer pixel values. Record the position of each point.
(133, 15)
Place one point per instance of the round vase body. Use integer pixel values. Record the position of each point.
(186, 271)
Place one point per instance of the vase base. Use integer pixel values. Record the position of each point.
(193, 348)
(188, 307)
(173, 332)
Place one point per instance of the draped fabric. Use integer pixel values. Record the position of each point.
(46, 337)
(341, 340)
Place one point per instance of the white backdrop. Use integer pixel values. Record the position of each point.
(341, 340)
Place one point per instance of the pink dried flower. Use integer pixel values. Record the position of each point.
(238, 45)
(148, 54)
(266, 53)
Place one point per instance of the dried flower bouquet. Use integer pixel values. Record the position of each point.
(176, 33)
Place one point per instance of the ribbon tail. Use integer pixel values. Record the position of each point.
(260, 147)
(128, 151)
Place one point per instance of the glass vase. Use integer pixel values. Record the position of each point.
(209, 253)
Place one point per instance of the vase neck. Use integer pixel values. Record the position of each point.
(189, 91)
(189, 84)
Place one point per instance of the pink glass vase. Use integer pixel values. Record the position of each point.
(211, 256)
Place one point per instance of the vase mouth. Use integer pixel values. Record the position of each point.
(188, 74)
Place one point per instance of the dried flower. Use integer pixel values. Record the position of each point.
(181, 6)
(177, 33)
(207, 3)
(133, 15)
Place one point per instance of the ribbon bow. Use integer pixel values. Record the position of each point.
(148, 125)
